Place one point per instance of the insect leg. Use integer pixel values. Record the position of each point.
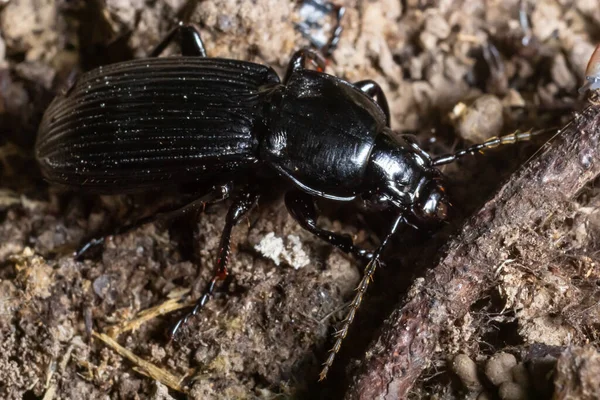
(337, 31)
(243, 203)
(189, 38)
(302, 208)
(313, 12)
(374, 90)
(298, 62)
(216, 194)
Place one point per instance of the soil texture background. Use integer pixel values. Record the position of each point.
(454, 72)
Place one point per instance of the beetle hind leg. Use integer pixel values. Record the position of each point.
(216, 194)
(242, 204)
(189, 39)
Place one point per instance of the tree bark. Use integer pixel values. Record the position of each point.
(408, 338)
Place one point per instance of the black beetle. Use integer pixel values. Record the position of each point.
(160, 123)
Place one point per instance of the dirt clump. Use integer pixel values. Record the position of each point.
(269, 328)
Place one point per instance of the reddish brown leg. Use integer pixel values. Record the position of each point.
(243, 203)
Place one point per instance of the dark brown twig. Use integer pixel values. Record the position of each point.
(408, 338)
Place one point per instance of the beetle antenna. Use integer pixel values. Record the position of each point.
(341, 333)
(358, 297)
(491, 143)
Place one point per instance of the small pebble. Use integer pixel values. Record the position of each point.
(512, 391)
(481, 120)
(520, 375)
(466, 370)
(499, 366)
(484, 396)
(436, 24)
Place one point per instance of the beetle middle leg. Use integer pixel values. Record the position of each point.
(299, 60)
(373, 89)
(302, 208)
(243, 203)
(216, 194)
(189, 38)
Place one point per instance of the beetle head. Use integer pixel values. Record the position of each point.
(400, 175)
(432, 204)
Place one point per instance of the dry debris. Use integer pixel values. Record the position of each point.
(454, 72)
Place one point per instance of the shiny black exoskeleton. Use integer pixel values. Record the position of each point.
(161, 123)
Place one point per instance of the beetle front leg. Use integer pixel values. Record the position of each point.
(302, 208)
(189, 38)
(243, 203)
(216, 194)
(373, 89)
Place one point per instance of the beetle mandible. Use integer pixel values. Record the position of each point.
(159, 123)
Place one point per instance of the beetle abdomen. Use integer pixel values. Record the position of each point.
(154, 122)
